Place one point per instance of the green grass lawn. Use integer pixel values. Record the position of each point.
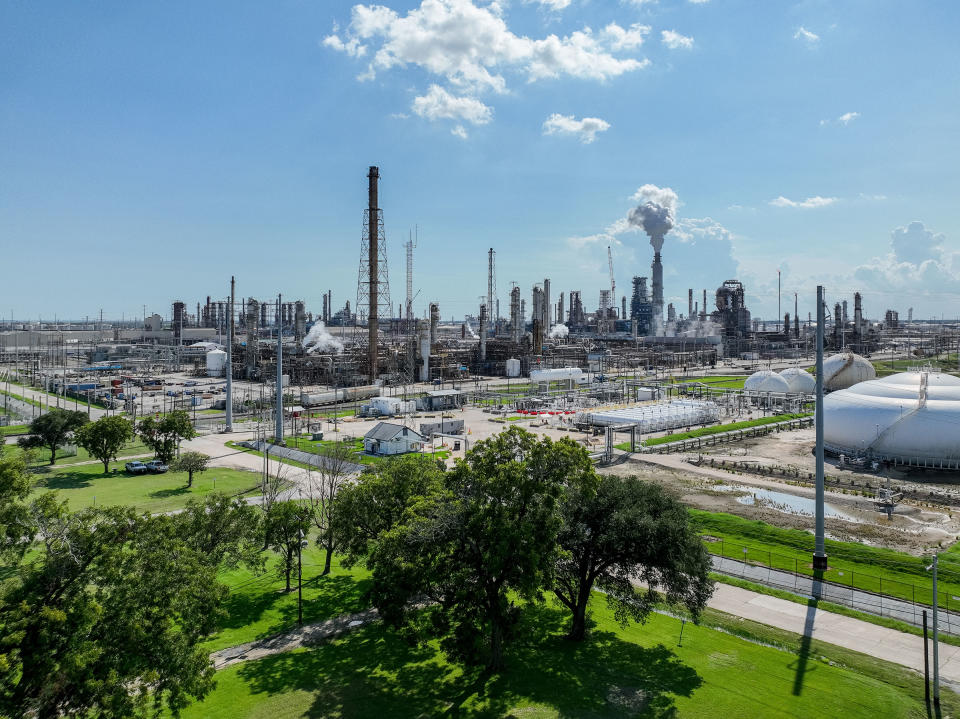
(85, 485)
(636, 671)
(944, 363)
(713, 429)
(13, 429)
(41, 455)
(861, 565)
(259, 606)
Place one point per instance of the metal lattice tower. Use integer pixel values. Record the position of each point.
(408, 310)
(491, 281)
(373, 286)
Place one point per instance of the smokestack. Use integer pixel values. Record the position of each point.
(434, 321)
(796, 317)
(483, 333)
(491, 255)
(704, 305)
(837, 326)
(657, 290)
(515, 323)
(857, 316)
(655, 215)
(546, 309)
(278, 432)
(299, 322)
(690, 303)
(623, 307)
(560, 310)
(373, 257)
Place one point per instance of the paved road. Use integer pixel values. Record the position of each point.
(880, 642)
(886, 606)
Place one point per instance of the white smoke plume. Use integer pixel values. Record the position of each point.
(470, 330)
(558, 332)
(655, 212)
(704, 328)
(319, 339)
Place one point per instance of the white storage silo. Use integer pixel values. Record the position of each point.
(216, 363)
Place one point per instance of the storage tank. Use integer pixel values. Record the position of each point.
(343, 394)
(766, 381)
(846, 369)
(513, 367)
(909, 418)
(800, 381)
(557, 374)
(216, 363)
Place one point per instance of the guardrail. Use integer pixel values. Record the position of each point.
(734, 435)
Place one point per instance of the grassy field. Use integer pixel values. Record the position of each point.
(41, 455)
(636, 671)
(86, 485)
(718, 382)
(944, 363)
(859, 565)
(258, 606)
(13, 429)
(712, 429)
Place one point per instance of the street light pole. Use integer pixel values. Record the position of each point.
(819, 554)
(936, 640)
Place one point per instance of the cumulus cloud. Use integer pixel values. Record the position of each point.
(471, 46)
(676, 41)
(585, 130)
(626, 38)
(807, 204)
(460, 132)
(438, 104)
(918, 264)
(806, 36)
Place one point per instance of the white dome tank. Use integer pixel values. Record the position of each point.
(216, 363)
(845, 370)
(909, 417)
(799, 381)
(766, 381)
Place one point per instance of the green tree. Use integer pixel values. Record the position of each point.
(104, 438)
(323, 485)
(106, 617)
(53, 430)
(163, 436)
(287, 525)
(16, 527)
(375, 503)
(190, 462)
(486, 540)
(624, 531)
(226, 531)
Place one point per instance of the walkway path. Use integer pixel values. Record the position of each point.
(293, 639)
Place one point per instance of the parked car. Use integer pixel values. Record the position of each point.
(136, 468)
(156, 466)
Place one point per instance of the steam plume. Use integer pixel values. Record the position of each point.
(319, 339)
(654, 213)
(558, 332)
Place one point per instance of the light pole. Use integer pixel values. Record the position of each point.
(936, 641)
(819, 554)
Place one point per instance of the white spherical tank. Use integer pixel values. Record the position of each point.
(766, 381)
(799, 381)
(845, 370)
(910, 418)
(559, 373)
(216, 363)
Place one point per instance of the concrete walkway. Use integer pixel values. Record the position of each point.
(293, 639)
(880, 642)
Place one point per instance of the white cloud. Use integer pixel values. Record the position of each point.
(586, 129)
(676, 41)
(845, 119)
(663, 196)
(872, 198)
(470, 46)
(638, 3)
(438, 104)
(806, 36)
(626, 39)
(459, 131)
(917, 265)
(809, 203)
(699, 2)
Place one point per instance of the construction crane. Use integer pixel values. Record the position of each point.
(613, 283)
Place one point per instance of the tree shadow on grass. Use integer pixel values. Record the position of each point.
(372, 672)
(71, 480)
(171, 492)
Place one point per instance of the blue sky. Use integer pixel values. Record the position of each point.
(151, 150)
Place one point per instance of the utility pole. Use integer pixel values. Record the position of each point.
(278, 432)
(936, 640)
(229, 427)
(819, 554)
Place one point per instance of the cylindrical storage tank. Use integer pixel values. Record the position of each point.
(216, 363)
(766, 381)
(513, 367)
(844, 370)
(557, 374)
(799, 381)
(909, 417)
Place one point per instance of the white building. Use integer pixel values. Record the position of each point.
(387, 438)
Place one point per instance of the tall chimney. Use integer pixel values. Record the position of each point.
(690, 303)
(483, 333)
(657, 291)
(704, 304)
(373, 256)
(545, 310)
